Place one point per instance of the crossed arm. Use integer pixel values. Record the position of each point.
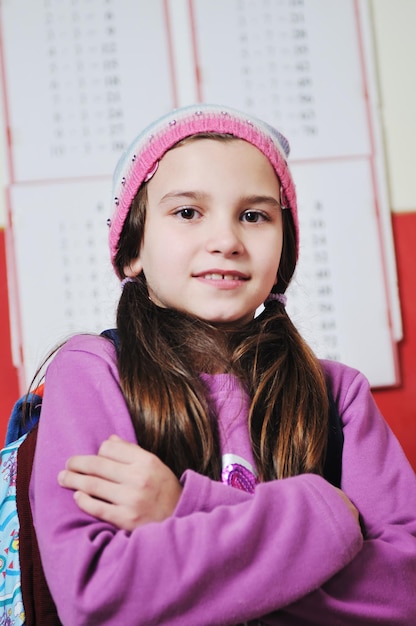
(127, 486)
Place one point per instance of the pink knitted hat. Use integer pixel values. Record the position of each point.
(140, 160)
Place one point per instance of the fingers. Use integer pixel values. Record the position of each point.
(96, 466)
(131, 456)
(95, 486)
(122, 451)
(123, 484)
(119, 468)
(94, 507)
(119, 516)
(111, 462)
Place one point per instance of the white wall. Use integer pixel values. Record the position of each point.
(394, 28)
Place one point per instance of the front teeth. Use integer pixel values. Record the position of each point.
(220, 277)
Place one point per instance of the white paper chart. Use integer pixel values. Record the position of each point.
(294, 63)
(99, 70)
(70, 286)
(82, 77)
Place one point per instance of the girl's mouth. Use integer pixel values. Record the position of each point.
(217, 276)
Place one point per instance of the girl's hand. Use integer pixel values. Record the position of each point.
(123, 484)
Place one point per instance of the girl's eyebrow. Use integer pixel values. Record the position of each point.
(199, 196)
(259, 199)
(191, 195)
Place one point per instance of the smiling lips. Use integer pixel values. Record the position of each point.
(223, 277)
(218, 275)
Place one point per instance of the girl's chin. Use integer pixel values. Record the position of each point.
(224, 322)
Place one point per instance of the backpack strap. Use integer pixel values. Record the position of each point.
(112, 335)
(333, 461)
(25, 414)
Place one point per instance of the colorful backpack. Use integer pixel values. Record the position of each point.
(11, 602)
(24, 595)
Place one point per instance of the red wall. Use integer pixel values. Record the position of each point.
(8, 377)
(398, 405)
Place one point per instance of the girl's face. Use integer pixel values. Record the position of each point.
(213, 232)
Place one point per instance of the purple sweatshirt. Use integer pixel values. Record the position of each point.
(291, 553)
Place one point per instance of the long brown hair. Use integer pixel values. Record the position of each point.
(163, 351)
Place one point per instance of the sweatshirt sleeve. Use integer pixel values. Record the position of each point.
(379, 585)
(224, 557)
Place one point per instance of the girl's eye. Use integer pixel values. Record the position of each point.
(187, 213)
(253, 217)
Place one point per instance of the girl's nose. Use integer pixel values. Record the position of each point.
(224, 239)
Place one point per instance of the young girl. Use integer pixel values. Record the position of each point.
(194, 491)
